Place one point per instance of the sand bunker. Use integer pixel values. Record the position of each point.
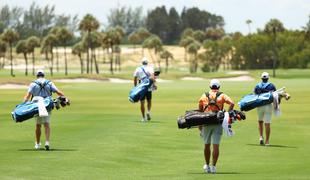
(163, 80)
(13, 86)
(239, 78)
(193, 79)
(238, 72)
(117, 80)
(78, 80)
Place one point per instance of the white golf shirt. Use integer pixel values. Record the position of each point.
(140, 74)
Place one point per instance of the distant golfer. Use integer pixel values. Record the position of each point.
(264, 112)
(44, 88)
(141, 73)
(213, 101)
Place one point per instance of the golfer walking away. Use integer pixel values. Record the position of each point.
(264, 112)
(43, 88)
(212, 101)
(142, 72)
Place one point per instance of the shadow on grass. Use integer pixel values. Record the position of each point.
(218, 173)
(42, 149)
(273, 146)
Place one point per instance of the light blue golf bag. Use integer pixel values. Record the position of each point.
(28, 110)
(140, 90)
(252, 101)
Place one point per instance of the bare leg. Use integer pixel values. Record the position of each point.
(267, 127)
(142, 108)
(215, 153)
(260, 127)
(207, 153)
(149, 104)
(47, 131)
(38, 133)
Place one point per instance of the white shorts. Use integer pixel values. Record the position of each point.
(264, 113)
(44, 120)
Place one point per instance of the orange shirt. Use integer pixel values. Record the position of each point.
(221, 100)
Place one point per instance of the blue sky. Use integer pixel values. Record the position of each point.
(293, 13)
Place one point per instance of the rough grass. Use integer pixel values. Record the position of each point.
(101, 137)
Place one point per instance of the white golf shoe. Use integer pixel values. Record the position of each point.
(207, 168)
(143, 120)
(37, 146)
(213, 169)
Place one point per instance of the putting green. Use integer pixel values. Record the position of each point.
(101, 137)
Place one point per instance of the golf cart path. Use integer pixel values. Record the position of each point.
(13, 86)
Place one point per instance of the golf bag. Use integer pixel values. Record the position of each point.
(252, 101)
(140, 90)
(195, 118)
(27, 110)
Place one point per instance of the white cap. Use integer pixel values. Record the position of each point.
(215, 83)
(265, 75)
(144, 61)
(40, 72)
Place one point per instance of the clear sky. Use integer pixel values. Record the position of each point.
(293, 13)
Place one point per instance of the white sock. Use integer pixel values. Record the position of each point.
(47, 143)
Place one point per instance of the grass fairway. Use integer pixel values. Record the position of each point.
(101, 137)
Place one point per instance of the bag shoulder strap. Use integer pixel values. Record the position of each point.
(209, 99)
(43, 85)
(147, 75)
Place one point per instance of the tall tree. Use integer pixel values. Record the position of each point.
(165, 54)
(78, 49)
(153, 42)
(55, 31)
(88, 24)
(143, 34)
(126, 17)
(175, 26)
(21, 47)
(273, 27)
(249, 22)
(3, 46)
(10, 36)
(157, 22)
(64, 35)
(32, 43)
(48, 44)
(185, 41)
(193, 49)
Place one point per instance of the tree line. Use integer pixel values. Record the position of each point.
(207, 47)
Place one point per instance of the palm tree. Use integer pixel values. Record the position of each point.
(22, 47)
(2, 52)
(273, 27)
(64, 35)
(95, 41)
(88, 24)
(111, 38)
(48, 44)
(32, 43)
(184, 43)
(134, 39)
(153, 42)
(143, 34)
(165, 54)
(78, 50)
(249, 22)
(55, 31)
(193, 50)
(10, 36)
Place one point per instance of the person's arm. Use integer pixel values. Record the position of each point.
(27, 97)
(135, 81)
(200, 108)
(59, 93)
(230, 102)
